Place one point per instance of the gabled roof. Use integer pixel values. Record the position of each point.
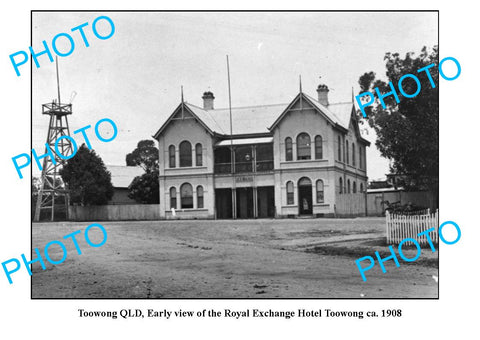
(342, 111)
(123, 175)
(206, 117)
(261, 119)
(339, 116)
(201, 116)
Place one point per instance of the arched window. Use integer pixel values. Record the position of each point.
(319, 191)
(199, 197)
(289, 192)
(173, 198)
(354, 187)
(346, 151)
(171, 156)
(353, 154)
(360, 161)
(186, 196)
(318, 147)
(339, 148)
(303, 146)
(185, 154)
(361, 187)
(340, 182)
(348, 186)
(288, 149)
(198, 154)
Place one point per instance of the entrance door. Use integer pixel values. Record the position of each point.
(305, 196)
(266, 202)
(223, 203)
(244, 202)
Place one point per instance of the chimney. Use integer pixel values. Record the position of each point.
(208, 100)
(322, 91)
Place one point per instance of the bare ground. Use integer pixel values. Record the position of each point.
(294, 258)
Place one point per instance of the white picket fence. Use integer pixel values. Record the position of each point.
(400, 227)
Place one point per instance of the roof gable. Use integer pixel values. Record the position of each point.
(183, 112)
(332, 117)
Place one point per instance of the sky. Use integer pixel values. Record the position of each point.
(134, 77)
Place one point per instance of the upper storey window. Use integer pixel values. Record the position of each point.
(339, 148)
(346, 150)
(288, 149)
(171, 156)
(185, 154)
(303, 146)
(318, 147)
(198, 155)
(353, 154)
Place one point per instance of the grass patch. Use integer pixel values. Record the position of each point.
(358, 252)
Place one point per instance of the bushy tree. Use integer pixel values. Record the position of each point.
(145, 155)
(407, 132)
(88, 180)
(145, 188)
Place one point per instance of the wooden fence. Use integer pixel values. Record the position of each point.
(114, 212)
(400, 227)
(350, 205)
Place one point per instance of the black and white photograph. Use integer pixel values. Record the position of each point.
(235, 155)
(246, 170)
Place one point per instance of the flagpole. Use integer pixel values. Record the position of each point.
(230, 103)
(232, 155)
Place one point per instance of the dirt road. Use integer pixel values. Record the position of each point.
(227, 259)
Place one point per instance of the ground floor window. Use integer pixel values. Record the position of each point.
(186, 196)
(173, 198)
(319, 191)
(289, 192)
(199, 197)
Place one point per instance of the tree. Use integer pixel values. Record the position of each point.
(407, 132)
(145, 188)
(145, 155)
(87, 178)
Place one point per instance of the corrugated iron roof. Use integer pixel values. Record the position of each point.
(245, 120)
(259, 119)
(338, 112)
(123, 175)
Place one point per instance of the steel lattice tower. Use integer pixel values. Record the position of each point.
(52, 187)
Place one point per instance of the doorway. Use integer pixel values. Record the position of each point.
(223, 203)
(244, 202)
(266, 202)
(305, 196)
